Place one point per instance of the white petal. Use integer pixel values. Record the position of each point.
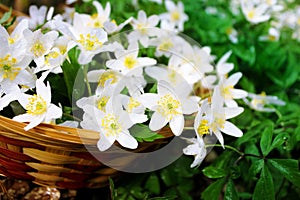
(146, 62)
(53, 112)
(157, 121)
(94, 76)
(177, 124)
(149, 100)
(231, 129)
(126, 140)
(233, 112)
(33, 119)
(238, 94)
(230, 103)
(164, 88)
(233, 79)
(138, 118)
(189, 106)
(104, 143)
(43, 90)
(219, 135)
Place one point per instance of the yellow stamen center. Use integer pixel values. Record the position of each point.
(203, 127)
(36, 106)
(111, 125)
(130, 62)
(107, 76)
(226, 92)
(101, 103)
(89, 42)
(132, 104)
(38, 49)
(7, 67)
(167, 106)
(175, 15)
(165, 45)
(251, 14)
(51, 55)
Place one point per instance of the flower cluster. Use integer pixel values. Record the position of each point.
(130, 87)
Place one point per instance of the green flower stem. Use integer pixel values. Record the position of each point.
(226, 146)
(85, 70)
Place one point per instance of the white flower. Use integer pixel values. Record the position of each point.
(168, 107)
(13, 66)
(143, 28)
(134, 107)
(222, 67)
(16, 39)
(196, 149)
(89, 40)
(53, 60)
(112, 125)
(39, 44)
(38, 16)
(38, 107)
(232, 35)
(213, 119)
(255, 13)
(228, 91)
(175, 14)
(273, 35)
(260, 102)
(128, 60)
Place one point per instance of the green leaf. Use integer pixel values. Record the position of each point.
(266, 140)
(142, 133)
(73, 71)
(213, 191)
(230, 192)
(279, 140)
(152, 184)
(256, 167)
(246, 53)
(112, 188)
(288, 168)
(264, 188)
(213, 172)
(253, 131)
(6, 16)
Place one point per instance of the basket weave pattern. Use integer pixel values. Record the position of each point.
(56, 156)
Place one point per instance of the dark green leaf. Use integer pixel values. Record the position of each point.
(256, 167)
(264, 188)
(266, 140)
(213, 172)
(288, 168)
(230, 192)
(141, 131)
(112, 189)
(279, 140)
(152, 184)
(213, 191)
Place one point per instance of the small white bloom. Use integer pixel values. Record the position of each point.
(38, 16)
(228, 92)
(232, 35)
(175, 14)
(143, 28)
(273, 35)
(40, 44)
(112, 125)
(89, 40)
(128, 60)
(212, 118)
(196, 149)
(222, 67)
(168, 107)
(38, 107)
(255, 13)
(260, 102)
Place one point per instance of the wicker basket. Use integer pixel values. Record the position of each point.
(56, 156)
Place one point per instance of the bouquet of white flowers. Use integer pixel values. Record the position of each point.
(131, 85)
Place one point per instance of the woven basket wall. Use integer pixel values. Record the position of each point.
(56, 156)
